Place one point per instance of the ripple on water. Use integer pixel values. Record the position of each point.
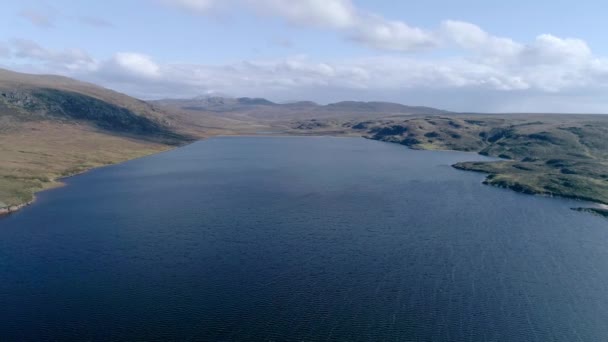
(300, 239)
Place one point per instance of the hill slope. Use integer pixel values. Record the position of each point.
(52, 126)
(27, 97)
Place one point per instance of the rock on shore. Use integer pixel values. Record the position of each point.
(13, 208)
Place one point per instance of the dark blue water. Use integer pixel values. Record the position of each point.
(300, 239)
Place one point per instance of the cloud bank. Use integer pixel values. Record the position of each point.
(342, 16)
(475, 65)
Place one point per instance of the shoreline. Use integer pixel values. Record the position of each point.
(58, 182)
(594, 206)
(600, 208)
(5, 211)
(522, 190)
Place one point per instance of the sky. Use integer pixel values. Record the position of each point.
(467, 55)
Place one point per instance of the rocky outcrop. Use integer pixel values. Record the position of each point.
(13, 208)
(68, 106)
(596, 211)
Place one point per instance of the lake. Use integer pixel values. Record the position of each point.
(300, 239)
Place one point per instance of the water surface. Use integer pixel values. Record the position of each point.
(300, 239)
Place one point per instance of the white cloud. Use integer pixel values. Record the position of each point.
(342, 16)
(383, 73)
(130, 64)
(338, 14)
(60, 60)
(367, 28)
(548, 49)
(472, 38)
(571, 69)
(379, 33)
(477, 62)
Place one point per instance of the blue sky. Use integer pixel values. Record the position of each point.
(470, 55)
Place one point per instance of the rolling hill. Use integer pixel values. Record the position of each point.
(53, 126)
(262, 110)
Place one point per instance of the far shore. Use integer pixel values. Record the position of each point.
(592, 207)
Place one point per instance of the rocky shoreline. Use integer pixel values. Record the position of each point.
(4, 211)
(602, 211)
(52, 183)
(596, 211)
(492, 179)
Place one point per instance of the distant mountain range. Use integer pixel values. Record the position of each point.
(306, 108)
(53, 126)
(214, 103)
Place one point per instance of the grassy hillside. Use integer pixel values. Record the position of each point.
(36, 154)
(15, 82)
(52, 127)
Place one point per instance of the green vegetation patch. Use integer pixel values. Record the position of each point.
(554, 155)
